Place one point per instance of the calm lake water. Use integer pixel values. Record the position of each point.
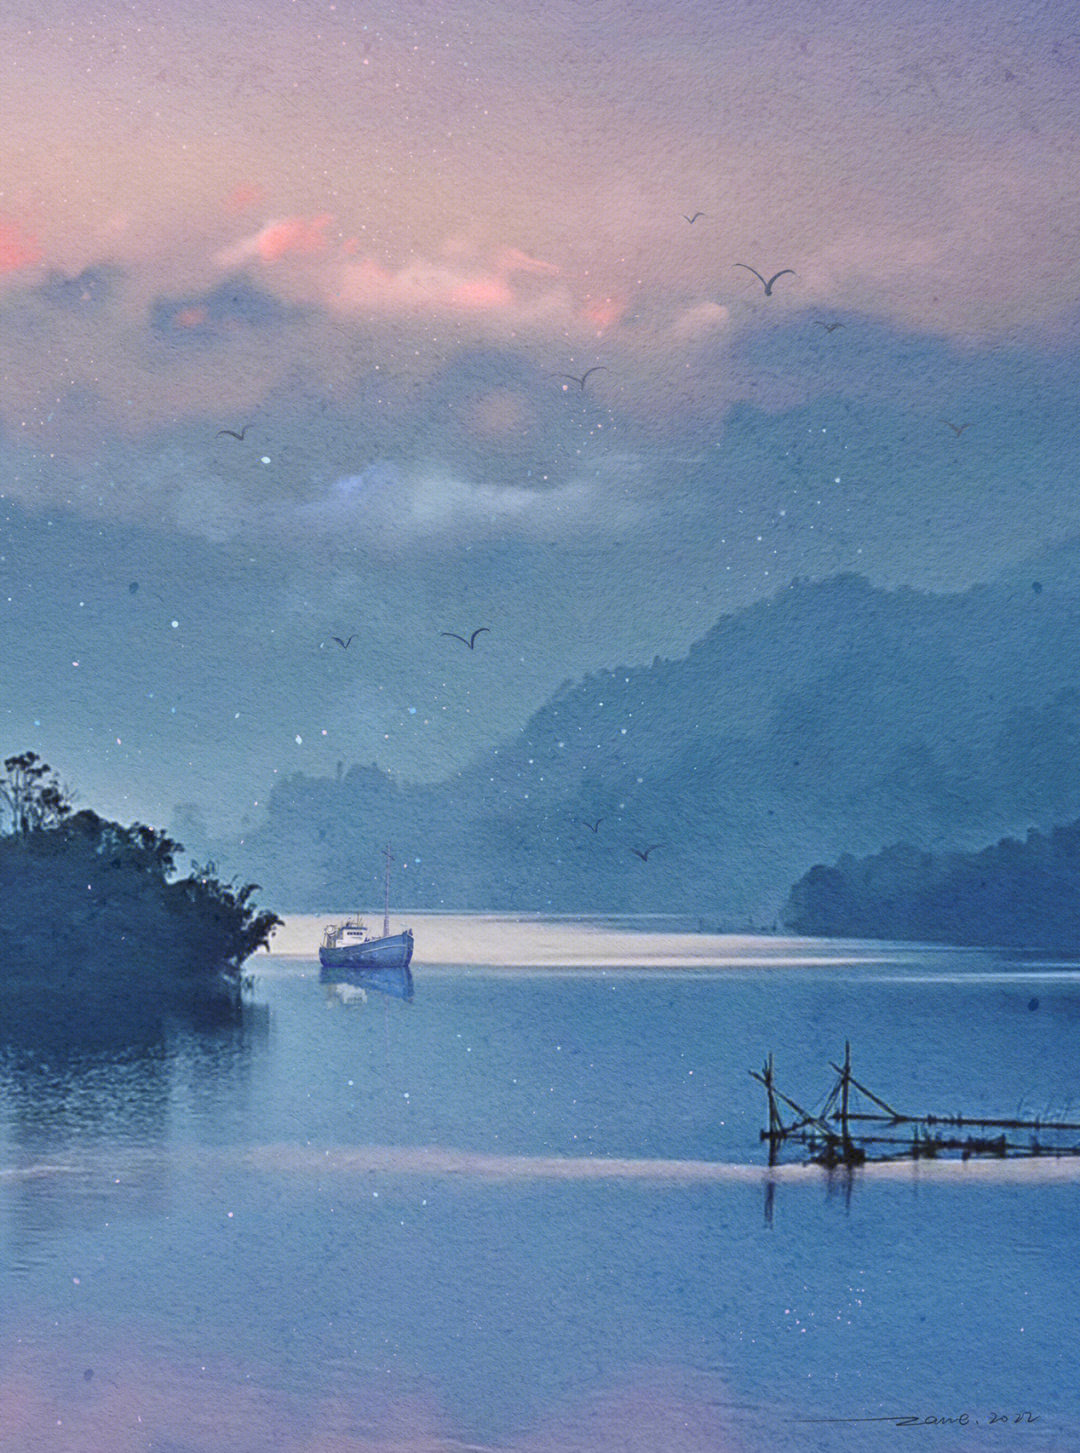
(530, 1211)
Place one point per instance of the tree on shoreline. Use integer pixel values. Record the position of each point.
(33, 795)
(93, 903)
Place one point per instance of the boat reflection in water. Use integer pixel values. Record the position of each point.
(350, 955)
(350, 984)
(344, 994)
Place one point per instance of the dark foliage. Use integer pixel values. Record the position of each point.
(92, 906)
(1013, 894)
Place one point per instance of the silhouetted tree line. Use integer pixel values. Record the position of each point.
(92, 905)
(1013, 894)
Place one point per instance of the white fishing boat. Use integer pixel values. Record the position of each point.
(350, 953)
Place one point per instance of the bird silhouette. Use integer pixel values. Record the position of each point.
(768, 286)
(829, 327)
(592, 826)
(957, 429)
(233, 434)
(344, 644)
(471, 642)
(597, 368)
(694, 218)
(643, 853)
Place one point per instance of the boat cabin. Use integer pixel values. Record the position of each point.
(339, 935)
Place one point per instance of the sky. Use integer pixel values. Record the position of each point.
(385, 242)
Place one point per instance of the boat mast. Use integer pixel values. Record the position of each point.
(386, 898)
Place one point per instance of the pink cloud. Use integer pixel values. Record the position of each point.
(423, 286)
(481, 293)
(298, 236)
(304, 235)
(512, 259)
(502, 284)
(243, 196)
(604, 314)
(16, 248)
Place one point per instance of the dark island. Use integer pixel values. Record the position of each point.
(1012, 895)
(93, 911)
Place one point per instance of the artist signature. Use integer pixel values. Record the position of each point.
(930, 1420)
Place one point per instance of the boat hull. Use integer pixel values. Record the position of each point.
(370, 953)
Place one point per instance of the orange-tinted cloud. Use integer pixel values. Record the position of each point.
(479, 293)
(604, 313)
(243, 196)
(297, 236)
(503, 285)
(422, 286)
(17, 249)
(505, 281)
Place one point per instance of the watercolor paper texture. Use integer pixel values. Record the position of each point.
(624, 456)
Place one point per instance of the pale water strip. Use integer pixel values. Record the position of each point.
(516, 941)
(290, 1158)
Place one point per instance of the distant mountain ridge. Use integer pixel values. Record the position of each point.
(833, 717)
(1012, 894)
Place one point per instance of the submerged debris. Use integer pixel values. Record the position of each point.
(835, 1134)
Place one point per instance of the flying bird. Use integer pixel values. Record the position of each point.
(233, 434)
(829, 327)
(643, 853)
(768, 286)
(471, 642)
(597, 368)
(694, 218)
(592, 826)
(344, 644)
(957, 429)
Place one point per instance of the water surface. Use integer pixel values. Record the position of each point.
(531, 1209)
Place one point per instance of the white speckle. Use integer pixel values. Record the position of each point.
(299, 740)
(266, 459)
(175, 625)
